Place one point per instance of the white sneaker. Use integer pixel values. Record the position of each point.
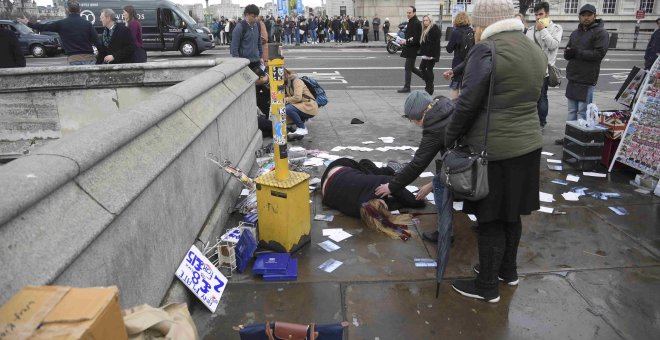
(299, 132)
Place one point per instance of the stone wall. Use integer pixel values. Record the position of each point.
(120, 201)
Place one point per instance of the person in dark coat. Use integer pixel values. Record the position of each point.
(78, 35)
(514, 139)
(410, 46)
(429, 52)
(432, 115)
(461, 28)
(584, 52)
(653, 48)
(131, 19)
(117, 44)
(11, 54)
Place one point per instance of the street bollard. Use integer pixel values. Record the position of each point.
(282, 195)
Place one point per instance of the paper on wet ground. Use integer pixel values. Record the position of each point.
(571, 196)
(330, 265)
(547, 210)
(547, 153)
(472, 218)
(330, 231)
(430, 197)
(572, 178)
(458, 206)
(245, 192)
(556, 161)
(339, 236)
(594, 174)
(555, 167)
(314, 180)
(425, 262)
(426, 174)
(329, 246)
(324, 217)
(314, 161)
(559, 181)
(621, 211)
(412, 188)
(545, 197)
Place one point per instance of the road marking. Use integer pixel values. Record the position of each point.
(326, 78)
(388, 87)
(360, 68)
(616, 82)
(357, 57)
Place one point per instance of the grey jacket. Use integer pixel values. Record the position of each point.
(246, 41)
(548, 39)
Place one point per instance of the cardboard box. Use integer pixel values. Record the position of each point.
(57, 312)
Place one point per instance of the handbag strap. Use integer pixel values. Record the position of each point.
(490, 94)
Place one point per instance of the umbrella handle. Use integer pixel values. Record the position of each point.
(437, 289)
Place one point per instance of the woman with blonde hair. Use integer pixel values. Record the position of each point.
(505, 113)
(299, 102)
(462, 32)
(430, 52)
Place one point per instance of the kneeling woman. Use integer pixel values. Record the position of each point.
(300, 103)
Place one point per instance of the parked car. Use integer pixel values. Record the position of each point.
(36, 44)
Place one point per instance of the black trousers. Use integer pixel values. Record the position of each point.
(498, 248)
(410, 64)
(376, 37)
(426, 69)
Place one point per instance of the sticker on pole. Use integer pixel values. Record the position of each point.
(202, 278)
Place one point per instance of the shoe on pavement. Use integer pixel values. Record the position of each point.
(510, 282)
(403, 90)
(431, 236)
(300, 132)
(469, 289)
(559, 141)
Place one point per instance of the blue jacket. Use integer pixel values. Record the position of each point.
(652, 50)
(78, 35)
(246, 41)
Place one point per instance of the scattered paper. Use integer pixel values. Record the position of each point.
(245, 192)
(296, 149)
(611, 194)
(571, 196)
(472, 217)
(572, 178)
(330, 265)
(432, 202)
(546, 210)
(339, 236)
(643, 191)
(545, 197)
(425, 262)
(547, 153)
(594, 174)
(395, 212)
(619, 210)
(412, 188)
(559, 181)
(555, 167)
(314, 180)
(314, 161)
(426, 174)
(324, 217)
(368, 142)
(329, 246)
(430, 197)
(556, 161)
(330, 231)
(458, 206)
(387, 140)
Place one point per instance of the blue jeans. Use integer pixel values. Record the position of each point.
(578, 109)
(297, 36)
(314, 37)
(75, 63)
(542, 105)
(297, 116)
(287, 39)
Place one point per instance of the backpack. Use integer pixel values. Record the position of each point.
(317, 91)
(467, 41)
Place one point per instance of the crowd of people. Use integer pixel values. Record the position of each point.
(292, 30)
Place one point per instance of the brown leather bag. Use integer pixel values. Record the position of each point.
(290, 331)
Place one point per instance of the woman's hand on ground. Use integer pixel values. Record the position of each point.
(424, 191)
(383, 190)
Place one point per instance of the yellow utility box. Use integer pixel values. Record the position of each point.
(284, 216)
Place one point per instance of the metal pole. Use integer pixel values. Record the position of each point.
(636, 35)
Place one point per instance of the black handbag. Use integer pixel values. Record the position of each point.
(465, 172)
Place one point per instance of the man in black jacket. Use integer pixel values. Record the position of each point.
(11, 54)
(432, 115)
(117, 41)
(78, 35)
(586, 49)
(410, 45)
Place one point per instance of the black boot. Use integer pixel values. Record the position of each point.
(405, 89)
(419, 73)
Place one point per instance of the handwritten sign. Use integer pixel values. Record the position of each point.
(202, 278)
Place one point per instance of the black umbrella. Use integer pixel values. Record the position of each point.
(445, 226)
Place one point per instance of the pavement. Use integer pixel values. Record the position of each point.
(588, 274)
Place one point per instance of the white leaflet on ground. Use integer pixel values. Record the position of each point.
(458, 206)
(572, 178)
(472, 217)
(330, 265)
(545, 197)
(245, 192)
(412, 188)
(571, 196)
(426, 174)
(330, 231)
(594, 174)
(547, 153)
(430, 197)
(546, 209)
(339, 236)
(329, 246)
(556, 161)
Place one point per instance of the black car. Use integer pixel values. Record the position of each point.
(36, 44)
